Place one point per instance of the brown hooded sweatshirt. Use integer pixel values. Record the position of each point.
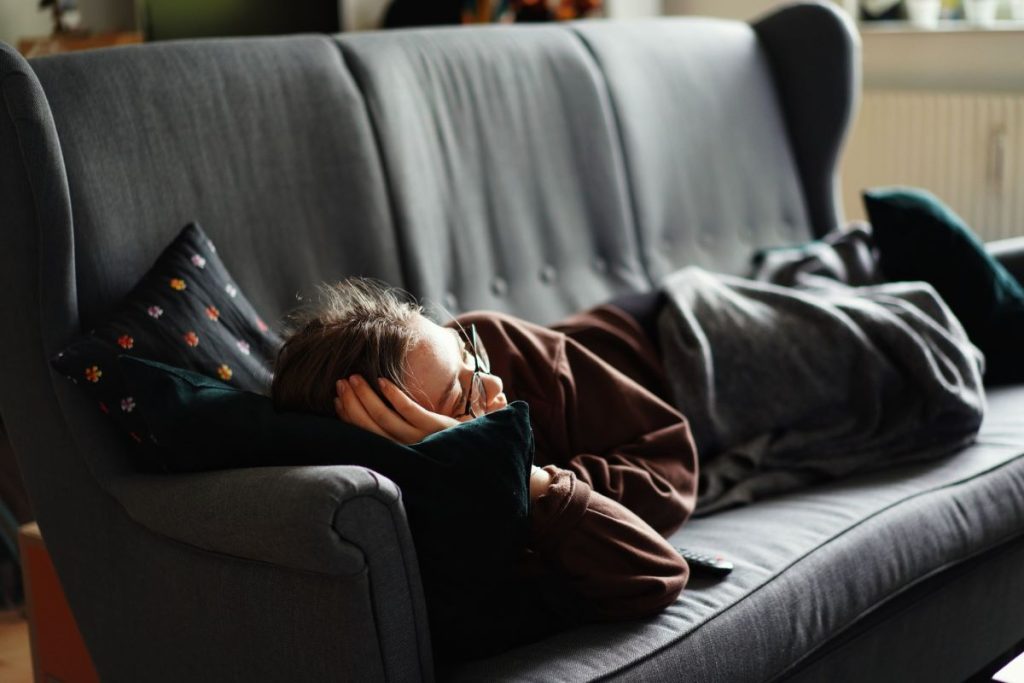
(622, 461)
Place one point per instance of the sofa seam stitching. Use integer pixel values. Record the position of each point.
(902, 590)
(624, 157)
(373, 601)
(359, 84)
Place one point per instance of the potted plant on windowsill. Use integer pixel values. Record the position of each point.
(981, 12)
(924, 13)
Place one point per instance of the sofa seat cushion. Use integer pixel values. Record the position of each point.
(808, 566)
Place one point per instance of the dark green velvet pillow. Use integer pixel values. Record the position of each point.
(465, 489)
(920, 238)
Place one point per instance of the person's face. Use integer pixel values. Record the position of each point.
(440, 372)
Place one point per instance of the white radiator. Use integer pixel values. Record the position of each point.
(967, 148)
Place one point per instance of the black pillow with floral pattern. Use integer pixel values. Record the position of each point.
(187, 312)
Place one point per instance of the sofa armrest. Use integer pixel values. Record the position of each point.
(281, 515)
(336, 521)
(1009, 252)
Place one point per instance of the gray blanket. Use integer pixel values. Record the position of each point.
(788, 385)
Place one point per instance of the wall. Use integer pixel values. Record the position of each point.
(21, 18)
(956, 59)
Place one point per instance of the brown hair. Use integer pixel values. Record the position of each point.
(358, 326)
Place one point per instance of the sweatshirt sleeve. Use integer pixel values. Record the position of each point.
(618, 437)
(612, 564)
(626, 443)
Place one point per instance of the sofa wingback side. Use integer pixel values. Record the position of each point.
(815, 55)
(729, 131)
(106, 155)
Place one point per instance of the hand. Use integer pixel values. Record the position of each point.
(408, 422)
(539, 482)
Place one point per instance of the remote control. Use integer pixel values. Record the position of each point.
(701, 563)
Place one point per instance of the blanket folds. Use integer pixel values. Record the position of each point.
(785, 385)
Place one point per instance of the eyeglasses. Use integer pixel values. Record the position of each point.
(476, 399)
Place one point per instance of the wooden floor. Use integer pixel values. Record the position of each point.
(15, 656)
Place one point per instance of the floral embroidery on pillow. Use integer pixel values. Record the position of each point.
(186, 295)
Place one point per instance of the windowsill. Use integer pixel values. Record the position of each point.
(956, 56)
(947, 26)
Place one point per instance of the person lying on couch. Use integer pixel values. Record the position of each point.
(615, 464)
(781, 387)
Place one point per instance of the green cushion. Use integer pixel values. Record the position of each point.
(920, 238)
(465, 489)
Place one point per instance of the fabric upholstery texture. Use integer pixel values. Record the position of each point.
(505, 172)
(930, 653)
(268, 146)
(695, 199)
(197, 552)
(335, 526)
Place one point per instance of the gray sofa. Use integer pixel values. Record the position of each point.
(533, 170)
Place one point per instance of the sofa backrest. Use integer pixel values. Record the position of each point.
(712, 170)
(532, 170)
(539, 171)
(503, 165)
(266, 142)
